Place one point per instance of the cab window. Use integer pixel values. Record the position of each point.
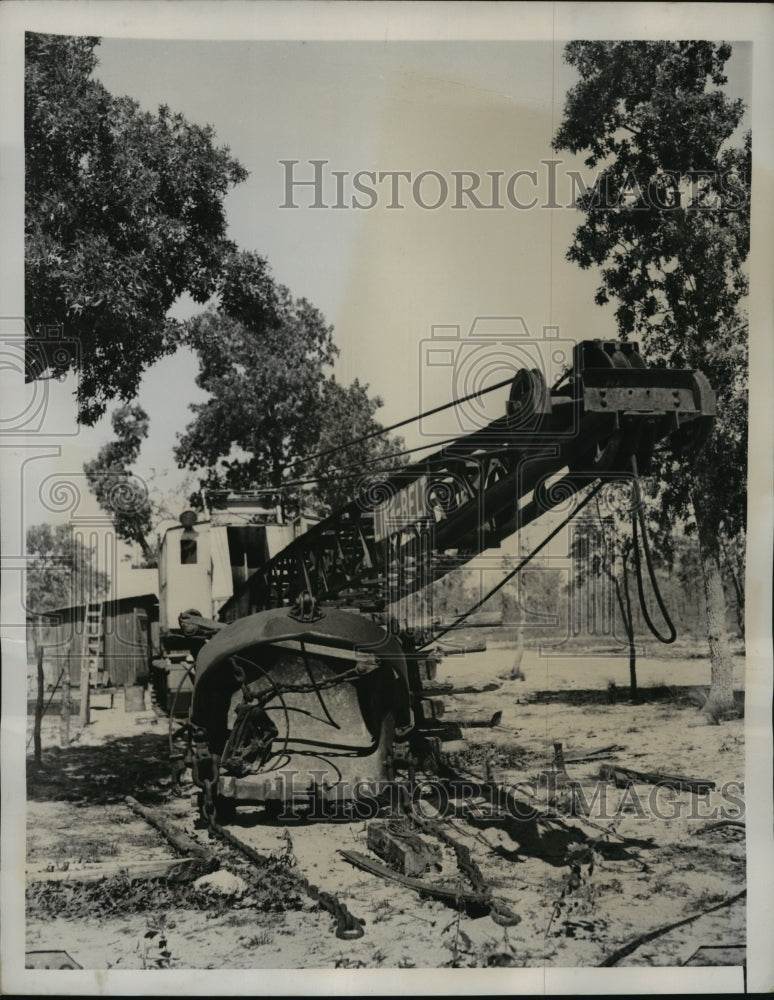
(188, 550)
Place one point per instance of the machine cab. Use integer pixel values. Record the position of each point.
(202, 562)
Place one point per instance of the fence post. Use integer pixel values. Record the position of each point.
(64, 723)
(39, 704)
(83, 715)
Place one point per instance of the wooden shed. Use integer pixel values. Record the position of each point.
(128, 640)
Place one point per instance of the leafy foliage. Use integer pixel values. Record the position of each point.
(347, 413)
(124, 213)
(263, 357)
(60, 569)
(531, 601)
(668, 223)
(118, 491)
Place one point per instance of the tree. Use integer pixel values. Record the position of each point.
(60, 570)
(262, 357)
(682, 563)
(667, 221)
(604, 548)
(733, 556)
(118, 491)
(124, 213)
(347, 413)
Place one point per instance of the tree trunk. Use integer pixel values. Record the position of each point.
(517, 674)
(143, 543)
(720, 701)
(628, 620)
(276, 478)
(738, 588)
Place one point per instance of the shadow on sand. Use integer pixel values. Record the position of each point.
(101, 775)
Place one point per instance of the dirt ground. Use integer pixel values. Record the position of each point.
(642, 859)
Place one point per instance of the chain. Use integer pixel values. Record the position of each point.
(498, 909)
(348, 926)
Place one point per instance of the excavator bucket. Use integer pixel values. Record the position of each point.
(300, 711)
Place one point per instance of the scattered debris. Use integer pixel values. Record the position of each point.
(402, 848)
(154, 949)
(735, 824)
(625, 776)
(475, 904)
(628, 949)
(115, 913)
(593, 754)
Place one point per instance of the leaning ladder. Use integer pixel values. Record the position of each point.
(95, 661)
(92, 662)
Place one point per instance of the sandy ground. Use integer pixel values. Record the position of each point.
(647, 862)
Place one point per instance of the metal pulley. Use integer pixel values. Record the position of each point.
(529, 397)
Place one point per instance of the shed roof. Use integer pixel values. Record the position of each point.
(134, 583)
(111, 598)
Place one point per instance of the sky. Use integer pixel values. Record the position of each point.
(385, 277)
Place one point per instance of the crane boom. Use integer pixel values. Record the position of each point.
(476, 491)
(301, 672)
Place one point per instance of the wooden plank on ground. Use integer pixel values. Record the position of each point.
(172, 869)
(590, 755)
(623, 776)
(176, 836)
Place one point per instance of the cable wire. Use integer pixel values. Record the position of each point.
(408, 420)
(638, 516)
(355, 471)
(292, 483)
(509, 576)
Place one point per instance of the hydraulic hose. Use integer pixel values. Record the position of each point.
(638, 519)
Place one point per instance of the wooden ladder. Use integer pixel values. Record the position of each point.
(93, 646)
